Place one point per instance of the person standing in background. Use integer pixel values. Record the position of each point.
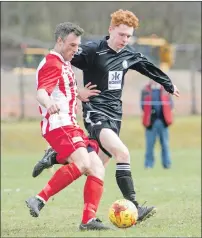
(157, 107)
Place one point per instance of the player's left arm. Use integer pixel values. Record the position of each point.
(143, 66)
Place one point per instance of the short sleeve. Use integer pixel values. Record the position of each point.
(48, 76)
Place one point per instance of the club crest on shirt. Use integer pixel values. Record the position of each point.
(125, 64)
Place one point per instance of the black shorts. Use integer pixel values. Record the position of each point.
(94, 123)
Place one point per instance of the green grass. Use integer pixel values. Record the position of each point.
(175, 192)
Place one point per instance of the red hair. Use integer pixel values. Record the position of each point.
(124, 17)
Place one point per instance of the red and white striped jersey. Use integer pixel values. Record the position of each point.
(57, 77)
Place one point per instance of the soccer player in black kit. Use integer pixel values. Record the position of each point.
(105, 63)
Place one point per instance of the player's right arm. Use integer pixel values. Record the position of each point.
(47, 78)
(44, 99)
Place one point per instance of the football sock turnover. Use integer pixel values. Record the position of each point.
(125, 181)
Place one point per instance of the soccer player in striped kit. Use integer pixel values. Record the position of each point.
(56, 94)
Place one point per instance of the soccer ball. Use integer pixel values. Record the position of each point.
(123, 213)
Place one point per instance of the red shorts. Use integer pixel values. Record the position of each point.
(65, 140)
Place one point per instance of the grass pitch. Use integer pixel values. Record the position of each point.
(175, 192)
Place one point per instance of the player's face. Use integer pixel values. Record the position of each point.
(69, 46)
(120, 35)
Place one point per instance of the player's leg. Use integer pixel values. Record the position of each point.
(104, 158)
(47, 161)
(63, 177)
(93, 191)
(106, 133)
(80, 163)
(112, 143)
(50, 158)
(62, 141)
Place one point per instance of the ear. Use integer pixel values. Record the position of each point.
(59, 40)
(110, 28)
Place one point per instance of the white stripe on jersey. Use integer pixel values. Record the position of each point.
(64, 94)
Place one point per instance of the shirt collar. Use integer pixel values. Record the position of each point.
(52, 52)
(106, 44)
(106, 38)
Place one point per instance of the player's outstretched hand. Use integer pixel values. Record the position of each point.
(88, 91)
(176, 91)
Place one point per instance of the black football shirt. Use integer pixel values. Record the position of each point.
(106, 68)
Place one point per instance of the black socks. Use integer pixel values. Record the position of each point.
(125, 181)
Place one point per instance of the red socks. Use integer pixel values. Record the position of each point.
(92, 194)
(61, 179)
(66, 175)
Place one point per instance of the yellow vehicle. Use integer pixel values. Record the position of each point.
(157, 50)
(30, 60)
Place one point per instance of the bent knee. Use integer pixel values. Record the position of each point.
(84, 165)
(98, 172)
(122, 155)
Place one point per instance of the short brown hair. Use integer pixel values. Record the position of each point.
(64, 29)
(124, 17)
